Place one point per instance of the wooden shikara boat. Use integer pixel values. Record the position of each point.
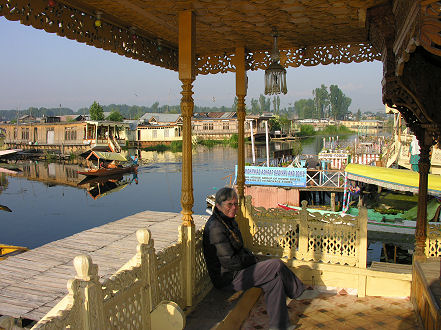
(108, 163)
(109, 171)
(10, 250)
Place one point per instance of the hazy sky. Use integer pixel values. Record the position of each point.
(44, 70)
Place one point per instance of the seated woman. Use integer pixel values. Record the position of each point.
(229, 263)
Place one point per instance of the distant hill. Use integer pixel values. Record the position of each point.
(128, 111)
(36, 112)
(136, 111)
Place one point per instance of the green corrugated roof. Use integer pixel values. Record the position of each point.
(108, 155)
(403, 180)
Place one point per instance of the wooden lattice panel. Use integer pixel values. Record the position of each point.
(273, 237)
(169, 274)
(433, 241)
(331, 243)
(277, 230)
(126, 313)
(303, 235)
(202, 281)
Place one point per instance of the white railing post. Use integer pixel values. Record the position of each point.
(187, 239)
(90, 293)
(362, 249)
(303, 231)
(145, 255)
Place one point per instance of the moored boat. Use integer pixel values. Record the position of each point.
(387, 223)
(10, 250)
(108, 163)
(109, 171)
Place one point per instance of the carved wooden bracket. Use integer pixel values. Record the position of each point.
(412, 89)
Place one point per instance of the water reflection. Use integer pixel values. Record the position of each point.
(48, 203)
(98, 187)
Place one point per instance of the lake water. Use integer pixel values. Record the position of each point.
(47, 204)
(52, 206)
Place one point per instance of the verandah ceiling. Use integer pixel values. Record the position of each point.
(311, 32)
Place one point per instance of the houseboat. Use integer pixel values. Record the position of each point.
(66, 137)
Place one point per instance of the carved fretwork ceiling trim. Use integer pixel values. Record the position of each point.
(74, 24)
(309, 56)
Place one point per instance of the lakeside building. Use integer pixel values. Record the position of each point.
(156, 128)
(222, 125)
(367, 126)
(66, 137)
(353, 125)
(74, 133)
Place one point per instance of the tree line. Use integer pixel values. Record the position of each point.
(325, 103)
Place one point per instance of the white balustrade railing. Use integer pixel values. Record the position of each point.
(146, 293)
(304, 235)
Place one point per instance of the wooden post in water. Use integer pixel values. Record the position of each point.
(333, 202)
(187, 39)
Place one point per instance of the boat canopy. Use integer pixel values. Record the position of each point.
(107, 155)
(9, 152)
(391, 178)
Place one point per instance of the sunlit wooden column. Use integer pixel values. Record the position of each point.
(241, 92)
(423, 169)
(187, 76)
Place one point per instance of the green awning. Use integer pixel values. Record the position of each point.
(391, 178)
(107, 155)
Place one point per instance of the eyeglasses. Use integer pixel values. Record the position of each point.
(230, 204)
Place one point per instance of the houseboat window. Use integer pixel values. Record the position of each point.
(226, 126)
(208, 126)
(26, 169)
(71, 173)
(166, 134)
(15, 133)
(25, 133)
(154, 133)
(70, 134)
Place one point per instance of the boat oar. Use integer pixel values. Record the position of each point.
(5, 208)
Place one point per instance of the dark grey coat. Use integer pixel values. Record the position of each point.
(224, 255)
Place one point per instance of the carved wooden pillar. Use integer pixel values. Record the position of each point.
(421, 225)
(187, 199)
(187, 75)
(241, 92)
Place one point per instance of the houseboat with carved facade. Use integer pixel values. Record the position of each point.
(66, 137)
(156, 128)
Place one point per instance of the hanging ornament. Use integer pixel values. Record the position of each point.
(98, 20)
(275, 74)
(51, 3)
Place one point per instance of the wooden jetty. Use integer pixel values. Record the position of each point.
(35, 281)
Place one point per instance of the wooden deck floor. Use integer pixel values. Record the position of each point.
(33, 282)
